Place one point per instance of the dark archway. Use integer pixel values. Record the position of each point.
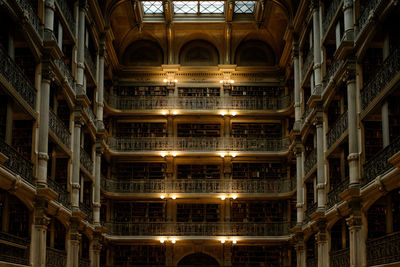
(198, 259)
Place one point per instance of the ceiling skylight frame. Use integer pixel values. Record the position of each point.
(198, 7)
(152, 8)
(244, 7)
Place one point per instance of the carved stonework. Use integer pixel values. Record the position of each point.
(353, 221)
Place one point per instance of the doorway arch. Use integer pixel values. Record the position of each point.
(199, 259)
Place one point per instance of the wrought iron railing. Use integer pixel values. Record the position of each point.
(84, 262)
(90, 114)
(331, 11)
(31, 15)
(89, 61)
(59, 129)
(55, 257)
(16, 78)
(200, 144)
(86, 161)
(310, 210)
(383, 250)
(389, 69)
(66, 73)
(307, 63)
(14, 249)
(367, 13)
(310, 161)
(379, 163)
(63, 196)
(195, 103)
(17, 163)
(198, 229)
(332, 69)
(340, 258)
(337, 129)
(333, 195)
(87, 210)
(197, 186)
(67, 12)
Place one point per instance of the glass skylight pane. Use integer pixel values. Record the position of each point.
(185, 7)
(244, 7)
(212, 7)
(152, 7)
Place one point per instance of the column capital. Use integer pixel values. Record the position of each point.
(354, 221)
(347, 4)
(314, 4)
(83, 5)
(350, 71)
(295, 48)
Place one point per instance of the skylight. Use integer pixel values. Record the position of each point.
(152, 7)
(244, 7)
(199, 7)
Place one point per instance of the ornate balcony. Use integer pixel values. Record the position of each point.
(87, 210)
(333, 195)
(198, 229)
(330, 14)
(90, 114)
(386, 73)
(86, 161)
(16, 78)
(90, 62)
(310, 210)
(307, 63)
(67, 14)
(194, 144)
(331, 71)
(63, 196)
(31, 16)
(17, 163)
(383, 250)
(310, 161)
(65, 73)
(340, 258)
(367, 14)
(59, 129)
(337, 129)
(14, 249)
(197, 186)
(55, 258)
(379, 163)
(199, 103)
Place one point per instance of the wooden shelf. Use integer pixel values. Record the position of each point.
(136, 255)
(140, 91)
(198, 212)
(139, 212)
(258, 91)
(198, 91)
(139, 170)
(258, 211)
(256, 256)
(141, 129)
(258, 171)
(199, 130)
(199, 172)
(257, 130)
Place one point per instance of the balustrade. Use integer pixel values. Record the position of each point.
(90, 62)
(310, 161)
(307, 63)
(67, 13)
(389, 69)
(65, 73)
(31, 15)
(332, 69)
(55, 258)
(63, 196)
(86, 161)
(367, 13)
(90, 114)
(17, 163)
(14, 249)
(198, 144)
(337, 129)
(59, 129)
(340, 258)
(197, 186)
(87, 210)
(310, 210)
(16, 78)
(198, 229)
(383, 250)
(333, 195)
(379, 163)
(330, 14)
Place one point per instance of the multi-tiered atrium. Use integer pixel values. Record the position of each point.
(208, 133)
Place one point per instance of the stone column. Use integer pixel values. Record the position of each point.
(96, 184)
(227, 126)
(39, 233)
(73, 243)
(296, 71)
(228, 37)
(385, 104)
(169, 252)
(60, 36)
(321, 196)
(95, 250)
(81, 44)
(322, 243)
(170, 37)
(316, 46)
(76, 158)
(357, 241)
(299, 181)
(348, 19)
(100, 87)
(300, 250)
(11, 45)
(227, 253)
(49, 8)
(44, 126)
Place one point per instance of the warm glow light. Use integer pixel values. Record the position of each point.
(173, 240)
(175, 112)
(163, 154)
(162, 240)
(162, 196)
(164, 112)
(234, 196)
(222, 155)
(233, 154)
(175, 81)
(173, 197)
(222, 113)
(221, 81)
(234, 241)
(222, 197)
(174, 154)
(232, 81)
(165, 80)
(233, 113)
(222, 241)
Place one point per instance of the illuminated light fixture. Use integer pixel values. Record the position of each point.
(221, 81)
(170, 82)
(173, 240)
(175, 112)
(222, 155)
(162, 196)
(234, 196)
(227, 82)
(175, 81)
(162, 240)
(233, 154)
(163, 154)
(164, 112)
(222, 241)
(231, 81)
(222, 197)
(174, 154)
(222, 113)
(234, 241)
(233, 113)
(165, 80)
(173, 197)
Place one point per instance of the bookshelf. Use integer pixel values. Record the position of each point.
(257, 130)
(258, 171)
(258, 211)
(191, 212)
(266, 91)
(373, 138)
(139, 170)
(140, 91)
(256, 256)
(141, 129)
(198, 91)
(22, 137)
(136, 255)
(199, 172)
(199, 130)
(139, 211)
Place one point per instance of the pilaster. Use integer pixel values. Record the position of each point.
(322, 243)
(39, 233)
(73, 243)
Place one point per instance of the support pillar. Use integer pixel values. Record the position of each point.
(60, 35)
(321, 196)
(39, 234)
(227, 253)
(296, 70)
(81, 44)
(73, 243)
(228, 37)
(49, 8)
(76, 159)
(317, 47)
(385, 104)
(96, 185)
(11, 44)
(322, 243)
(170, 44)
(357, 241)
(96, 250)
(299, 181)
(300, 250)
(100, 87)
(348, 20)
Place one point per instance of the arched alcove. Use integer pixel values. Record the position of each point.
(199, 53)
(198, 259)
(254, 53)
(143, 53)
